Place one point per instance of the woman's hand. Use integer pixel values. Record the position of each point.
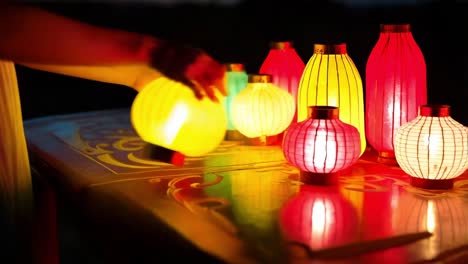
(190, 66)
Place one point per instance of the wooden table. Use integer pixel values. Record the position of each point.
(239, 204)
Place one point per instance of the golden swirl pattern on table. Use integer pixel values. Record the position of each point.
(189, 192)
(113, 144)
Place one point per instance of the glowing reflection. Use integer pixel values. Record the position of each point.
(444, 217)
(174, 122)
(430, 219)
(319, 217)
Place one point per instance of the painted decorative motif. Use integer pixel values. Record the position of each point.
(112, 143)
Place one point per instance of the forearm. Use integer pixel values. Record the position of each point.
(135, 76)
(33, 35)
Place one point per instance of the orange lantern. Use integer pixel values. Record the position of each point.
(432, 148)
(262, 109)
(167, 114)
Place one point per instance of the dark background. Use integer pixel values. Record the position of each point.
(241, 33)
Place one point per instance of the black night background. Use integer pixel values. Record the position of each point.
(240, 31)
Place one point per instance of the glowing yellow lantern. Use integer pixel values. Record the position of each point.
(167, 114)
(262, 109)
(330, 78)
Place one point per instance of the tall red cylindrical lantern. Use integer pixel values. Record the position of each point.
(285, 67)
(322, 145)
(395, 87)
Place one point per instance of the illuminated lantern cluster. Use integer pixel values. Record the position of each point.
(331, 78)
(285, 66)
(262, 109)
(322, 145)
(167, 114)
(395, 87)
(237, 79)
(432, 148)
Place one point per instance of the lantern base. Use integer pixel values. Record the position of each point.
(264, 141)
(162, 154)
(319, 178)
(431, 184)
(234, 135)
(387, 158)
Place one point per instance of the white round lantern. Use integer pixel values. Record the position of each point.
(432, 148)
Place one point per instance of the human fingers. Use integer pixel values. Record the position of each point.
(209, 74)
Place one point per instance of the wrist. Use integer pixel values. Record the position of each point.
(147, 47)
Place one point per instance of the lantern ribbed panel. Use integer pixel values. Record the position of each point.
(434, 148)
(286, 68)
(236, 82)
(321, 145)
(262, 109)
(333, 80)
(167, 113)
(395, 87)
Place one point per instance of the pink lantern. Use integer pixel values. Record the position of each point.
(322, 145)
(395, 87)
(285, 67)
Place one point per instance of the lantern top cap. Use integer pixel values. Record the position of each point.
(330, 48)
(260, 78)
(234, 67)
(434, 110)
(395, 28)
(323, 112)
(281, 44)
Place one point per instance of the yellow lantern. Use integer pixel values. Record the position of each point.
(167, 113)
(331, 78)
(262, 109)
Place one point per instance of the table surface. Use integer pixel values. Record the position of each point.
(245, 204)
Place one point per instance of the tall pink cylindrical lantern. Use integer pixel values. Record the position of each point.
(395, 87)
(285, 67)
(322, 145)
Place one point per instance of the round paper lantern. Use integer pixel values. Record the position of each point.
(322, 145)
(319, 217)
(262, 109)
(285, 67)
(237, 79)
(167, 114)
(395, 87)
(331, 78)
(432, 148)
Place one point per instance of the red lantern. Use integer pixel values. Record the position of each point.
(319, 217)
(285, 67)
(322, 145)
(395, 87)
